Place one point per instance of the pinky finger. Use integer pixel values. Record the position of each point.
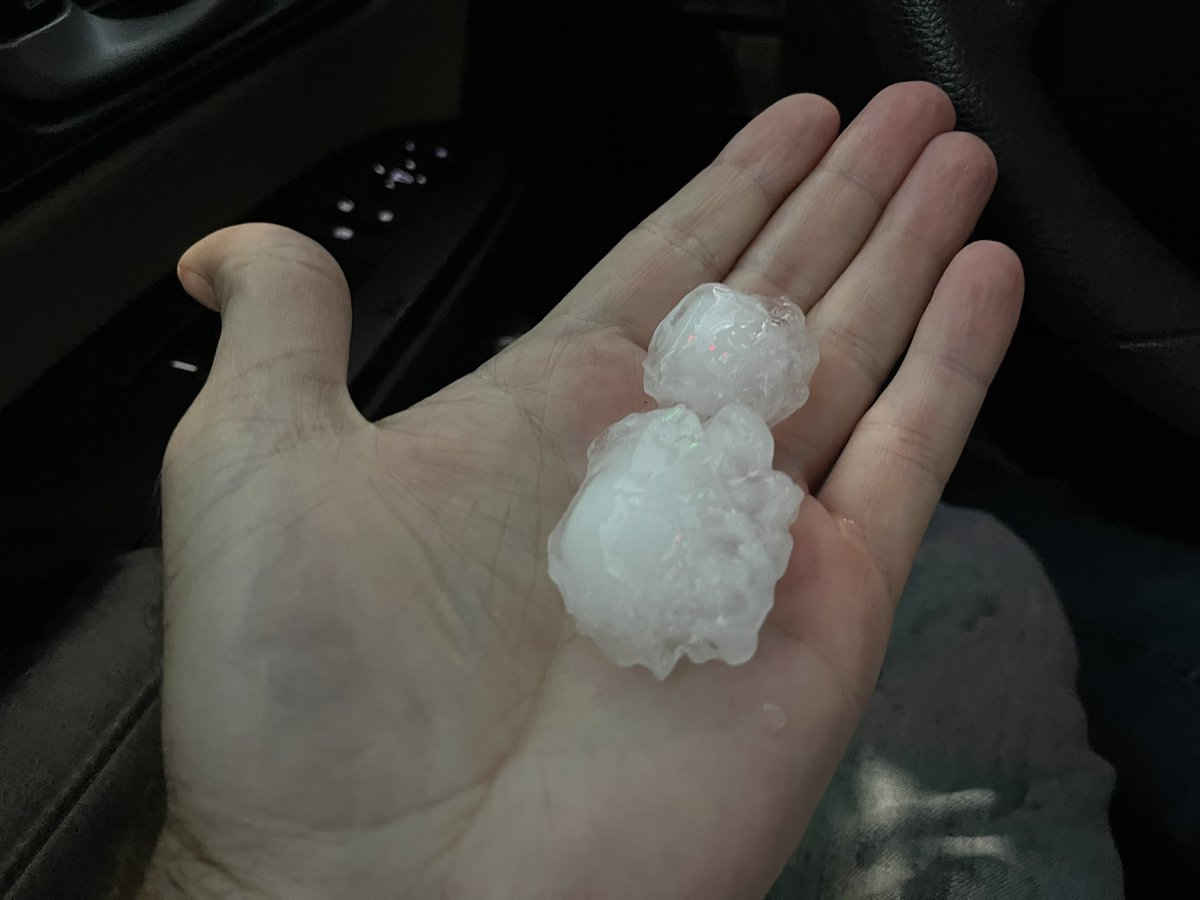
(891, 473)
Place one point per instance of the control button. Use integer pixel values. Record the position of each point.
(421, 179)
(346, 206)
(343, 233)
(441, 152)
(410, 146)
(386, 215)
(191, 352)
(362, 248)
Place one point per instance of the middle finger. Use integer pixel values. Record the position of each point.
(815, 234)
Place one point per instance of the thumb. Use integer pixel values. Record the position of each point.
(285, 312)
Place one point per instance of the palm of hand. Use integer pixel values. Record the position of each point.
(371, 684)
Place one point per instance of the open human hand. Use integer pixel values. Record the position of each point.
(371, 688)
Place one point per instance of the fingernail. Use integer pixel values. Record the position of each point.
(197, 287)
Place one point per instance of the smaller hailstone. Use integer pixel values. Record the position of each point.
(676, 538)
(720, 346)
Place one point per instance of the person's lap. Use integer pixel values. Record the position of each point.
(970, 775)
(1131, 600)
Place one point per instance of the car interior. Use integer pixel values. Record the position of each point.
(466, 162)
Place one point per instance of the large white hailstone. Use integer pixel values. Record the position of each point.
(675, 540)
(720, 346)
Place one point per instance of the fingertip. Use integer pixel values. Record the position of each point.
(1005, 259)
(813, 110)
(919, 101)
(799, 126)
(967, 151)
(213, 267)
(782, 144)
(978, 300)
(996, 267)
(200, 264)
(197, 286)
(961, 168)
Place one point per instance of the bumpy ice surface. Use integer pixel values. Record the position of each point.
(720, 346)
(677, 535)
(675, 540)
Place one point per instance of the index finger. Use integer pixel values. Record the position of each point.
(699, 233)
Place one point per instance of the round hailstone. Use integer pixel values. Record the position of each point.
(676, 538)
(720, 346)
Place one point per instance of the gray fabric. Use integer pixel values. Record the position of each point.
(970, 777)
